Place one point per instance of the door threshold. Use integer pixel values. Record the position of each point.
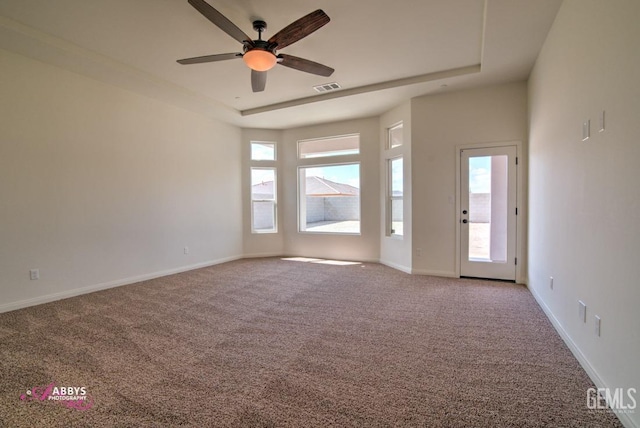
(512, 281)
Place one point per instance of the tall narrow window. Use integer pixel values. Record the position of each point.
(264, 207)
(263, 200)
(395, 210)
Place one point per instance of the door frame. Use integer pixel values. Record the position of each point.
(520, 203)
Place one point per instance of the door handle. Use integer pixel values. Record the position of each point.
(464, 211)
(465, 221)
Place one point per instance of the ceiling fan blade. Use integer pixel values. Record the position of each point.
(258, 80)
(299, 29)
(305, 65)
(220, 20)
(209, 58)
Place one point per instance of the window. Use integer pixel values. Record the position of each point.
(264, 213)
(394, 207)
(261, 151)
(395, 210)
(329, 193)
(329, 199)
(395, 136)
(263, 200)
(333, 146)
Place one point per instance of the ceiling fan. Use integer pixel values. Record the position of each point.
(260, 55)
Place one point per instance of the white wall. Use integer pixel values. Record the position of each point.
(262, 244)
(396, 251)
(585, 196)
(439, 124)
(101, 186)
(364, 247)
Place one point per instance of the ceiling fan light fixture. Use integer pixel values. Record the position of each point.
(259, 60)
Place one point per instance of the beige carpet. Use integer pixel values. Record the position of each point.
(270, 343)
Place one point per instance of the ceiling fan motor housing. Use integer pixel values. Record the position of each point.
(261, 45)
(259, 26)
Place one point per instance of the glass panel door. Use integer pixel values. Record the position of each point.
(488, 212)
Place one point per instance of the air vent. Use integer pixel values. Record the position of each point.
(326, 87)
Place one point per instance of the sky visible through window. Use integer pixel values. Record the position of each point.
(480, 174)
(262, 151)
(397, 187)
(346, 174)
(261, 175)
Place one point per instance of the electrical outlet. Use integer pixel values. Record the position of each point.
(419, 252)
(34, 274)
(551, 282)
(582, 311)
(597, 325)
(186, 250)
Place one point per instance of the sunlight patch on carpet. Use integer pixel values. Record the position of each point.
(321, 261)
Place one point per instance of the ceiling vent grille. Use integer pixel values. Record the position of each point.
(326, 87)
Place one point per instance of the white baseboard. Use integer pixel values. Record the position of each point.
(402, 268)
(443, 273)
(261, 255)
(582, 359)
(12, 306)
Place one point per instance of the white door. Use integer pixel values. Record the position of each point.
(488, 212)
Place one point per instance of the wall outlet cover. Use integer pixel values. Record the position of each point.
(582, 311)
(586, 130)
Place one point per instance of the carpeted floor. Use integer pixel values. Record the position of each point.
(275, 343)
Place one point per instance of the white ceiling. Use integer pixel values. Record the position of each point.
(383, 52)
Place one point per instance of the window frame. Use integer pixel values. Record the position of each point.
(399, 125)
(264, 143)
(263, 164)
(335, 155)
(390, 231)
(274, 200)
(305, 163)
